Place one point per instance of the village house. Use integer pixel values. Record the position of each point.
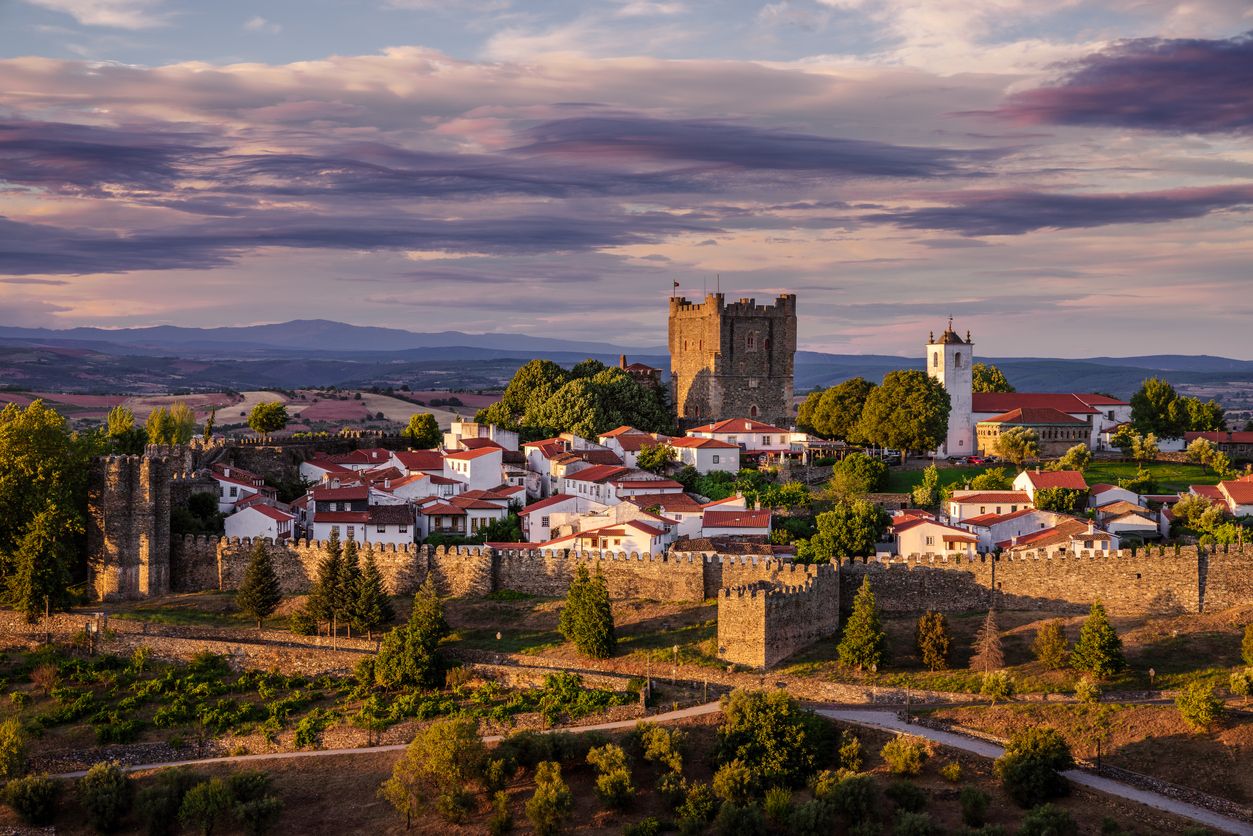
(707, 455)
(752, 437)
(687, 514)
(1237, 445)
(479, 469)
(736, 523)
(994, 528)
(1031, 481)
(632, 537)
(462, 434)
(319, 468)
(235, 483)
(1095, 412)
(918, 535)
(536, 517)
(1102, 494)
(259, 520)
(1055, 431)
(419, 461)
(1070, 536)
(965, 504)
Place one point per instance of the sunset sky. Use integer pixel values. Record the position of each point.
(1069, 178)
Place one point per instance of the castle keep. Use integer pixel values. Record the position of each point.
(732, 360)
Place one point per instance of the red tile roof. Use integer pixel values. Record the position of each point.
(442, 509)
(625, 429)
(737, 425)
(271, 512)
(1057, 479)
(1208, 491)
(470, 455)
(541, 504)
(342, 517)
(992, 496)
(598, 456)
(391, 515)
(634, 442)
(1222, 437)
(736, 519)
(480, 444)
(985, 520)
(1001, 402)
(711, 443)
(421, 459)
(1032, 415)
(671, 503)
(598, 473)
(1241, 492)
(632, 484)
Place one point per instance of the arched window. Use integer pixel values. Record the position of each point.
(957, 360)
(935, 360)
(753, 411)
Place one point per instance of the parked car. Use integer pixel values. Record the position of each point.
(977, 460)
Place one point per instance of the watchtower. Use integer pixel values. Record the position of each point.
(950, 360)
(128, 527)
(732, 360)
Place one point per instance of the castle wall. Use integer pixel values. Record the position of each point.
(762, 624)
(128, 527)
(1228, 577)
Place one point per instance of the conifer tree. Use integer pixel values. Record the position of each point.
(587, 618)
(863, 643)
(321, 603)
(371, 607)
(932, 640)
(346, 584)
(1050, 645)
(260, 593)
(1098, 650)
(409, 654)
(988, 655)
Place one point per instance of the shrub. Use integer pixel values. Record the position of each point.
(697, 809)
(1087, 691)
(772, 732)
(854, 798)
(33, 798)
(913, 824)
(159, 802)
(997, 686)
(904, 755)
(454, 804)
(1047, 820)
(734, 782)
(302, 623)
(613, 781)
(851, 757)
(672, 787)
(907, 796)
(1050, 645)
(737, 820)
(496, 772)
(205, 805)
(974, 805)
(932, 640)
(501, 820)
(778, 804)
(662, 745)
(1199, 706)
(1246, 645)
(550, 806)
(436, 766)
(824, 783)
(813, 818)
(1030, 767)
(951, 772)
(644, 827)
(1241, 683)
(12, 750)
(309, 729)
(1098, 650)
(259, 815)
(106, 793)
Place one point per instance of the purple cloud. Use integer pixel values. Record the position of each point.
(1006, 212)
(1183, 85)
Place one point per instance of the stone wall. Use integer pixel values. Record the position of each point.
(1228, 577)
(128, 526)
(760, 625)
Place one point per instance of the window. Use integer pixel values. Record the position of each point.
(335, 530)
(351, 530)
(382, 529)
(753, 412)
(543, 521)
(404, 529)
(234, 491)
(752, 383)
(716, 460)
(983, 509)
(752, 342)
(732, 439)
(334, 506)
(935, 360)
(957, 360)
(930, 540)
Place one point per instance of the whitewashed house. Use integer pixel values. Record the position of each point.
(258, 520)
(965, 504)
(478, 469)
(707, 455)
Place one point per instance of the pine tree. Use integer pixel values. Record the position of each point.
(932, 640)
(1099, 650)
(409, 654)
(1050, 645)
(42, 567)
(260, 593)
(587, 618)
(863, 644)
(988, 655)
(346, 581)
(372, 608)
(321, 604)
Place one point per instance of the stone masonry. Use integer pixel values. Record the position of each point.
(732, 360)
(763, 623)
(128, 527)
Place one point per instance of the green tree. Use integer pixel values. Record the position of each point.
(835, 412)
(408, 656)
(322, 595)
(1078, 458)
(423, 431)
(1142, 482)
(926, 494)
(1048, 820)
(1098, 650)
(123, 435)
(551, 804)
(12, 750)
(587, 618)
(849, 529)
(1061, 500)
(1050, 645)
(44, 558)
(1199, 706)
(531, 386)
(209, 421)
(988, 655)
(856, 475)
(1017, 445)
(1246, 645)
(986, 377)
(346, 584)
(372, 608)
(1031, 766)
(182, 423)
(159, 427)
(909, 411)
(771, 731)
(268, 417)
(106, 793)
(736, 783)
(260, 593)
(33, 798)
(438, 765)
(613, 778)
(206, 805)
(992, 479)
(655, 457)
(1155, 409)
(1205, 416)
(931, 638)
(863, 643)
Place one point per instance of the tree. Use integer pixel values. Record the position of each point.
(613, 779)
(1031, 766)
(1098, 650)
(437, 766)
(423, 431)
(849, 529)
(1050, 645)
(532, 385)
(346, 582)
(1155, 409)
(856, 475)
(268, 417)
(988, 655)
(209, 421)
(1246, 645)
(772, 732)
(409, 654)
(926, 494)
(835, 412)
(654, 457)
(1078, 458)
(182, 423)
(123, 435)
(322, 598)
(1144, 447)
(1199, 706)
(932, 640)
(1142, 482)
(552, 802)
(587, 618)
(992, 479)
(12, 750)
(1017, 445)
(42, 572)
(206, 804)
(986, 377)
(372, 608)
(909, 411)
(863, 643)
(260, 593)
(1205, 452)
(159, 427)
(1061, 500)
(106, 793)
(1205, 416)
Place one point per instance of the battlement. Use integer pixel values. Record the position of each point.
(763, 622)
(715, 303)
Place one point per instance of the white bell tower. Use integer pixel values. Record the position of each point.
(949, 360)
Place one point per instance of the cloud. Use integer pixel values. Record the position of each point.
(1179, 85)
(1009, 212)
(118, 14)
(260, 24)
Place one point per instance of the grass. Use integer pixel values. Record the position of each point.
(697, 644)
(901, 480)
(1171, 476)
(512, 640)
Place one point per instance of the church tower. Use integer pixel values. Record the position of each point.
(949, 360)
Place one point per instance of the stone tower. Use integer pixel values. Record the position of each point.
(732, 360)
(128, 527)
(949, 360)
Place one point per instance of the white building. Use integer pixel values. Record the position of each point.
(949, 361)
(258, 520)
(235, 483)
(963, 505)
(634, 536)
(1031, 481)
(992, 528)
(751, 436)
(537, 517)
(460, 431)
(478, 469)
(419, 461)
(707, 455)
(686, 513)
(918, 535)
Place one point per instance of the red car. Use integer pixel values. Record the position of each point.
(977, 460)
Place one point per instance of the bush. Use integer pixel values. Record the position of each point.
(951, 772)
(205, 805)
(302, 623)
(1047, 820)
(1098, 650)
(661, 745)
(932, 640)
(435, 768)
(644, 827)
(824, 783)
(813, 818)
(697, 808)
(997, 686)
(905, 755)
(907, 796)
(974, 805)
(855, 798)
(550, 806)
(12, 750)
(778, 805)
(672, 787)
(1246, 645)
(734, 782)
(913, 824)
(737, 820)
(1199, 706)
(259, 815)
(1241, 683)
(501, 820)
(851, 757)
(33, 798)
(772, 732)
(1050, 645)
(106, 794)
(159, 802)
(1030, 767)
(1087, 691)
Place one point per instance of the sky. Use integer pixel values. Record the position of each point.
(1066, 179)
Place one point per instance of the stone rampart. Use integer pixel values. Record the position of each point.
(128, 526)
(761, 624)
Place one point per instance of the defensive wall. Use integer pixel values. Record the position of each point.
(762, 623)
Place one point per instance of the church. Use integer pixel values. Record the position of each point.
(976, 419)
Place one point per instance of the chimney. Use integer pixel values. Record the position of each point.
(226, 471)
(622, 361)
